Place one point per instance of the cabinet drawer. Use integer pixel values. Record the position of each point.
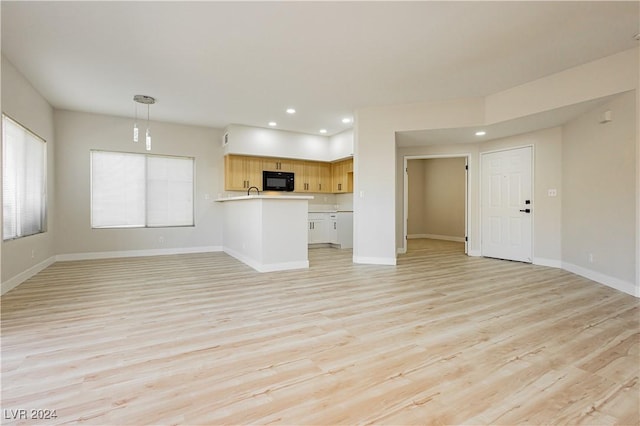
(318, 216)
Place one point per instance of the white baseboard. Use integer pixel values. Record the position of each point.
(474, 253)
(135, 253)
(25, 275)
(436, 237)
(551, 263)
(266, 267)
(375, 260)
(283, 266)
(616, 283)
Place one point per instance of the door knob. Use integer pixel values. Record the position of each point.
(526, 210)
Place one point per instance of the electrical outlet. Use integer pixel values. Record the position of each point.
(552, 192)
(590, 257)
(161, 239)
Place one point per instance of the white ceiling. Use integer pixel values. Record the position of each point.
(460, 135)
(216, 63)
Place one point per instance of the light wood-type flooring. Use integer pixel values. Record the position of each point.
(440, 338)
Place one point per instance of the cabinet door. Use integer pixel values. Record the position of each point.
(333, 231)
(234, 175)
(337, 177)
(307, 176)
(253, 172)
(348, 168)
(279, 164)
(345, 229)
(324, 177)
(299, 176)
(311, 171)
(319, 176)
(342, 176)
(317, 231)
(348, 164)
(242, 172)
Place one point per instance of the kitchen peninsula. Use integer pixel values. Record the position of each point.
(267, 232)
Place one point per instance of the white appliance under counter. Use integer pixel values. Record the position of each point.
(331, 227)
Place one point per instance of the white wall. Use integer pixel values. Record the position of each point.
(247, 140)
(341, 145)
(436, 198)
(376, 175)
(598, 206)
(77, 133)
(376, 172)
(472, 151)
(26, 256)
(597, 79)
(547, 148)
(416, 202)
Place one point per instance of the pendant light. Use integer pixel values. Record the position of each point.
(147, 100)
(135, 123)
(148, 134)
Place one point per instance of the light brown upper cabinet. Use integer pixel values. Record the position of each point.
(314, 176)
(342, 176)
(279, 164)
(243, 171)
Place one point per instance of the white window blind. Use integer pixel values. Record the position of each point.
(23, 181)
(169, 191)
(137, 190)
(117, 189)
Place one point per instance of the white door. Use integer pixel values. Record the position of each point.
(507, 204)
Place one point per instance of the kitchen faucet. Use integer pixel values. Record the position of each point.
(253, 187)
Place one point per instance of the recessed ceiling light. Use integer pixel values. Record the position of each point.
(346, 120)
(291, 111)
(273, 123)
(481, 133)
(323, 131)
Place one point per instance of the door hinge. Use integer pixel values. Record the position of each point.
(466, 238)
(466, 167)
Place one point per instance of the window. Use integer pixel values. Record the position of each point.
(138, 190)
(24, 181)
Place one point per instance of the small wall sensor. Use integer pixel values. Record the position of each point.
(606, 117)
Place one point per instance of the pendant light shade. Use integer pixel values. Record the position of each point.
(148, 140)
(147, 100)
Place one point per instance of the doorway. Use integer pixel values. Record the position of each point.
(436, 198)
(507, 204)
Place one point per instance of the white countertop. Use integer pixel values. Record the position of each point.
(330, 211)
(266, 197)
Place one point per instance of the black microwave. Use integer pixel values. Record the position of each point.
(277, 181)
